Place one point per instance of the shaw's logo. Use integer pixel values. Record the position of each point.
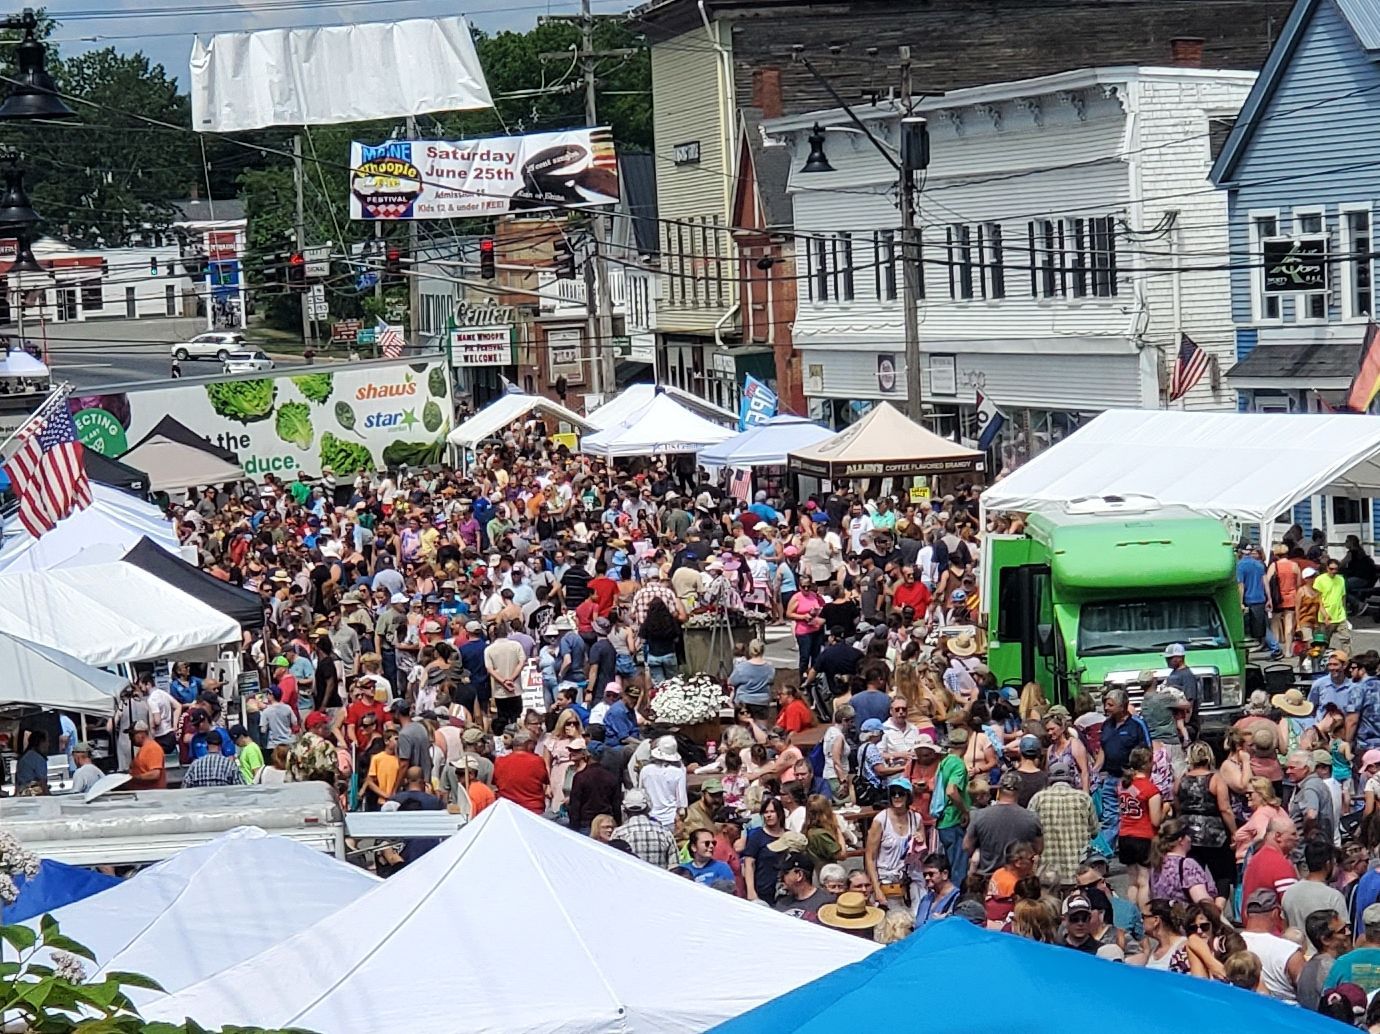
(386, 391)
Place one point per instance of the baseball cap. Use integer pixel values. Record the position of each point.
(1309, 572)
(1320, 757)
(1030, 746)
(712, 786)
(1077, 902)
(1353, 994)
(872, 725)
(899, 782)
(797, 860)
(635, 800)
(1370, 915)
(141, 726)
(1266, 900)
(1061, 772)
(1175, 650)
(398, 707)
(316, 719)
(972, 911)
(472, 735)
(956, 737)
(82, 748)
(397, 597)
(280, 661)
(1010, 783)
(236, 731)
(473, 626)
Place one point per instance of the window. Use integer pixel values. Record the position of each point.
(845, 271)
(884, 244)
(92, 297)
(1310, 306)
(1103, 232)
(1349, 511)
(809, 269)
(1030, 259)
(1077, 236)
(719, 261)
(1357, 299)
(960, 262)
(822, 270)
(1049, 281)
(170, 299)
(1263, 227)
(993, 260)
(131, 306)
(702, 263)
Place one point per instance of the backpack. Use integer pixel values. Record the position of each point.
(817, 759)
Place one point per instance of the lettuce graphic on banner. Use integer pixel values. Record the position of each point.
(758, 405)
(990, 421)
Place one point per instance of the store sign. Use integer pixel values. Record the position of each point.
(346, 331)
(687, 153)
(563, 349)
(1295, 265)
(481, 346)
(886, 373)
(943, 375)
(487, 313)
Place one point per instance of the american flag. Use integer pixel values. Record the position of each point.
(390, 339)
(740, 484)
(47, 472)
(1189, 366)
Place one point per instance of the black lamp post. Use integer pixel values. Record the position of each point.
(32, 93)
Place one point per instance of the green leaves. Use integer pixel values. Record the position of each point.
(293, 424)
(134, 980)
(20, 938)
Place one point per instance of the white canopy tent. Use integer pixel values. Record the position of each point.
(18, 363)
(103, 532)
(766, 444)
(342, 974)
(662, 427)
(635, 397)
(1248, 467)
(110, 613)
(493, 418)
(38, 676)
(211, 906)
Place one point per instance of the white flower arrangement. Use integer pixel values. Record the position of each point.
(686, 700)
(14, 860)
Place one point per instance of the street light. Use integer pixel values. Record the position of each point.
(16, 213)
(33, 94)
(817, 162)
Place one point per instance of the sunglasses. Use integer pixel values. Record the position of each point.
(1079, 917)
(1200, 927)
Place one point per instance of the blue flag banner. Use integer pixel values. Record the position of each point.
(990, 421)
(758, 405)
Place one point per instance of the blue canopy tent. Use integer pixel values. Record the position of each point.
(57, 884)
(963, 980)
(767, 443)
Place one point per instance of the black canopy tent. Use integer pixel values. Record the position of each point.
(106, 471)
(230, 600)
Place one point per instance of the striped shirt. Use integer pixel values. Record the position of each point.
(213, 769)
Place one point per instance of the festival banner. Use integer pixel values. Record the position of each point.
(457, 179)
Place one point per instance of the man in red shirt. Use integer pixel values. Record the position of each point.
(603, 589)
(521, 777)
(1270, 867)
(285, 680)
(910, 592)
(362, 704)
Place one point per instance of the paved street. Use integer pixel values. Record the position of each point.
(120, 351)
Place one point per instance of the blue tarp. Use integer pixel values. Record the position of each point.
(952, 976)
(55, 885)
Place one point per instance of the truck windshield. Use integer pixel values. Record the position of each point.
(1148, 626)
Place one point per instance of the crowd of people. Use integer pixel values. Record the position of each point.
(440, 639)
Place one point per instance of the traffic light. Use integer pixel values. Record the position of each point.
(392, 264)
(565, 259)
(153, 265)
(488, 266)
(297, 270)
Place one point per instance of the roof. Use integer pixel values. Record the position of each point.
(493, 418)
(198, 210)
(239, 604)
(1244, 466)
(768, 443)
(150, 922)
(636, 396)
(772, 169)
(342, 973)
(945, 953)
(663, 426)
(1253, 111)
(884, 443)
(1364, 18)
(176, 458)
(637, 176)
(1301, 360)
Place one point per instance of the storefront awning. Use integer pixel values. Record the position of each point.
(1322, 357)
(884, 443)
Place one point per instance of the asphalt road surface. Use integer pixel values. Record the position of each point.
(122, 351)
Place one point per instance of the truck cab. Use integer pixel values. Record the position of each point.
(1092, 594)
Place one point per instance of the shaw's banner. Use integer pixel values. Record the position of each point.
(456, 179)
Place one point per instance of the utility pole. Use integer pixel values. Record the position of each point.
(300, 232)
(910, 260)
(598, 304)
(414, 282)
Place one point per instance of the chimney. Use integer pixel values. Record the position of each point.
(766, 92)
(1186, 51)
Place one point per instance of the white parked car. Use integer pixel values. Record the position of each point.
(247, 360)
(218, 344)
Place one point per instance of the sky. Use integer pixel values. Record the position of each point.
(163, 29)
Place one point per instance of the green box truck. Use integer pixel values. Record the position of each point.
(1089, 597)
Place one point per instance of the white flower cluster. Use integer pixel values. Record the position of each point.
(9, 893)
(69, 967)
(684, 701)
(14, 859)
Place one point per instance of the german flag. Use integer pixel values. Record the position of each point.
(1366, 384)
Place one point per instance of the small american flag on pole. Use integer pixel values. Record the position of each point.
(1189, 366)
(390, 339)
(47, 471)
(740, 484)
